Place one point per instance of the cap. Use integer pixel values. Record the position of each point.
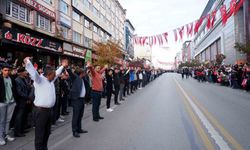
(20, 70)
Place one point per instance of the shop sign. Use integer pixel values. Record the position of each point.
(40, 8)
(31, 40)
(80, 52)
(67, 47)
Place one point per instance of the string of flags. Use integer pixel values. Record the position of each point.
(191, 29)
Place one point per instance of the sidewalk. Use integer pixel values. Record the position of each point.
(27, 142)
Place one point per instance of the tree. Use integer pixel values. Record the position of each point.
(244, 48)
(107, 52)
(220, 58)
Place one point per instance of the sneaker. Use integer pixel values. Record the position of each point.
(110, 110)
(2, 142)
(60, 120)
(9, 138)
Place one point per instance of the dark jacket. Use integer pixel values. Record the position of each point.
(109, 79)
(64, 86)
(2, 91)
(23, 91)
(76, 88)
(116, 80)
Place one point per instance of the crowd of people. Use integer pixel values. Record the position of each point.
(39, 97)
(235, 76)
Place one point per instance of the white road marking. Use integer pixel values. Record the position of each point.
(222, 144)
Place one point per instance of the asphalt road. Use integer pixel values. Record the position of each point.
(168, 114)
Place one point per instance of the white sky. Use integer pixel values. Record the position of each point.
(152, 17)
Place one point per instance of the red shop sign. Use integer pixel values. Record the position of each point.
(40, 8)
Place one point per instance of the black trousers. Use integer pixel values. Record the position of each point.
(43, 126)
(109, 95)
(126, 89)
(19, 120)
(78, 110)
(117, 89)
(64, 104)
(96, 98)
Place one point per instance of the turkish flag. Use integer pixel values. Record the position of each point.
(190, 29)
(165, 35)
(223, 11)
(175, 35)
(181, 30)
(213, 18)
(198, 24)
(208, 21)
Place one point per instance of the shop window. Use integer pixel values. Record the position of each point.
(77, 37)
(43, 23)
(76, 16)
(18, 12)
(64, 7)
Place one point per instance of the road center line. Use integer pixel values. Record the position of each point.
(222, 144)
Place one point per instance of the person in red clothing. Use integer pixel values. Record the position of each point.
(97, 89)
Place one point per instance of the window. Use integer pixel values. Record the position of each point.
(43, 23)
(76, 16)
(95, 29)
(18, 12)
(76, 37)
(86, 24)
(87, 3)
(65, 32)
(102, 34)
(95, 11)
(64, 7)
(87, 42)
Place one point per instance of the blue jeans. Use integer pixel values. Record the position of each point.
(6, 112)
(96, 98)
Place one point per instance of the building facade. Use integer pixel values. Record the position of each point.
(221, 39)
(52, 29)
(129, 34)
(186, 51)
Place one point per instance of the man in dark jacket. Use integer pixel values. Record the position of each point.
(7, 103)
(77, 95)
(22, 101)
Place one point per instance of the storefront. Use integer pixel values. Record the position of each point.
(18, 43)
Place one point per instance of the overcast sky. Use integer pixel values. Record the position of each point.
(151, 17)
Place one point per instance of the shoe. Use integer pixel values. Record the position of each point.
(62, 117)
(9, 138)
(117, 103)
(76, 135)
(82, 131)
(110, 110)
(101, 118)
(2, 142)
(19, 135)
(60, 120)
(96, 120)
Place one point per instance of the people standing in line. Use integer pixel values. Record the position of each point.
(77, 95)
(45, 97)
(122, 84)
(8, 95)
(109, 88)
(116, 83)
(23, 99)
(97, 89)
